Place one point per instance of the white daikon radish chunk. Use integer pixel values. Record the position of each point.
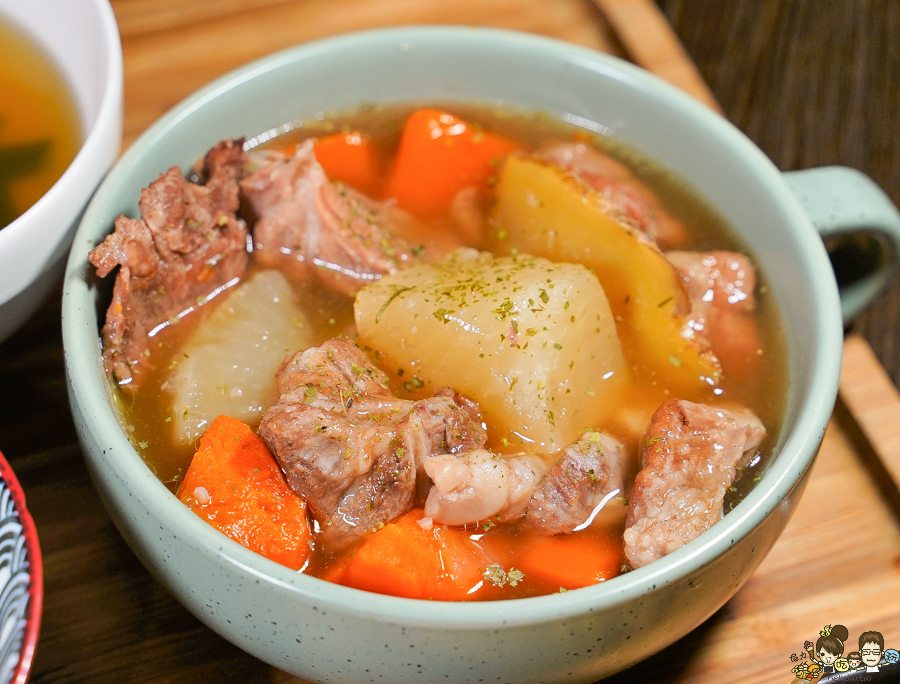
(532, 341)
(228, 365)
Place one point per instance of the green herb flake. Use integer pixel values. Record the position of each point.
(442, 315)
(412, 385)
(496, 575)
(397, 292)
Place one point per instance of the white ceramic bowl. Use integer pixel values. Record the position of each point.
(82, 39)
(326, 632)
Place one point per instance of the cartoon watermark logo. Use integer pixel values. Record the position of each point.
(830, 660)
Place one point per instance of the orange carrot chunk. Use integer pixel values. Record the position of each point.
(352, 159)
(439, 155)
(235, 485)
(403, 559)
(572, 561)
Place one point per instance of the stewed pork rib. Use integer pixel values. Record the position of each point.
(688, 463)
(351, 448)
(586, 473)
(721, 288)
(310, 227)
(481, 485)
(187, 245)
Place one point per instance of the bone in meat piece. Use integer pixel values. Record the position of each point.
(351, 448)
(688, 464)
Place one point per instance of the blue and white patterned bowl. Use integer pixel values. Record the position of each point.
(21, 581)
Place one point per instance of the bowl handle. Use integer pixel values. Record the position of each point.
(860, 227)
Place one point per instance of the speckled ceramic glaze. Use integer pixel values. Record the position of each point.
(326, 632)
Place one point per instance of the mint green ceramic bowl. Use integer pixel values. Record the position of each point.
(325, 632)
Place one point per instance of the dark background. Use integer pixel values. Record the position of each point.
(813, 83)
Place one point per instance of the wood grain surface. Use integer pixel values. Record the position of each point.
(811, 83)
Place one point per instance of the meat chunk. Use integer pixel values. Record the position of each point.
(351, 448)
(310, 227)
(717, 280)
(587, 474)
(720, 287)
(481, 485)
(186, 247)
(687, 464)
(624, 197)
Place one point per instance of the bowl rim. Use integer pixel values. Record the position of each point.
(91, 151)
(36, 574)
(786, 471)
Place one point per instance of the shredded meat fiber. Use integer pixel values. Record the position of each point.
(184, 249)
(309, 227)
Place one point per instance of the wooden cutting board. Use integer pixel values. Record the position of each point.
(836, 562)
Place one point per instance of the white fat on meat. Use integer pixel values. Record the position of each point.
(481, 485)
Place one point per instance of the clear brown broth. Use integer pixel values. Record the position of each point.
(40, 131)
(764, 391)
